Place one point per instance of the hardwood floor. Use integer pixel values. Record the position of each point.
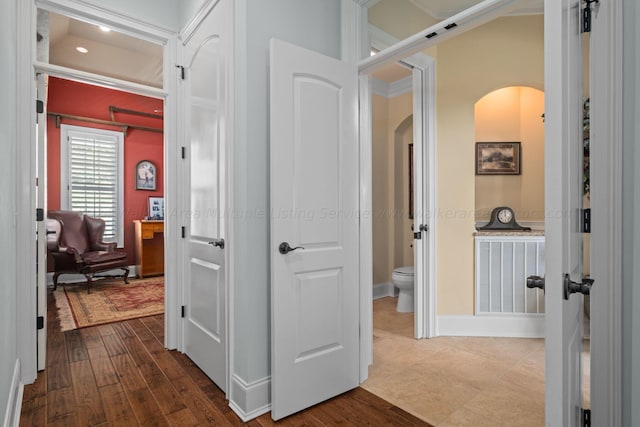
(120, 375)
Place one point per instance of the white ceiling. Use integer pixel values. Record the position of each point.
(390, 73)
(442, 9)
(110, 53)
(124, 57)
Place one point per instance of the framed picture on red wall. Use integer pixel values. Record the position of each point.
(146, 173)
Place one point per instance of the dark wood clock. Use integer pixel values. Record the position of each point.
(503, 219)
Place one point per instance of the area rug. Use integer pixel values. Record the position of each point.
(110, 300)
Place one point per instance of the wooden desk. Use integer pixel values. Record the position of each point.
(149, 248)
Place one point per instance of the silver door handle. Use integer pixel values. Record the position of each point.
(217, 243)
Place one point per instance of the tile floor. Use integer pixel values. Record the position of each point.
(456, 381)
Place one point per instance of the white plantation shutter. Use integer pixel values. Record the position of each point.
(91, 169)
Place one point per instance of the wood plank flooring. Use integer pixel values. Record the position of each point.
(121, 375)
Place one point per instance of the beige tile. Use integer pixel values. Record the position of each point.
(456, 380)
(509, 404)
(466, 418)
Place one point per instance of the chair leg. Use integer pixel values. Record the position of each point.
(89, 282)
(55, 280)
(126, 275)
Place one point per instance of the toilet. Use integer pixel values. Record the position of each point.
(402, 278)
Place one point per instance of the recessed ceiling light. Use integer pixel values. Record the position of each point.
(103, 28)
(82, 49)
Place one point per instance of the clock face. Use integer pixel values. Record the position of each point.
(505, 216)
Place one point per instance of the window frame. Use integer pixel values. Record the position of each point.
(65, 132)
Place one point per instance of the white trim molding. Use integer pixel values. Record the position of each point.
(250, 400)
(513, 326)
(393, 89)
(84, 11)
(26, 192)
(14, 403)
(383, 290)
(354, 17)
(606, 107)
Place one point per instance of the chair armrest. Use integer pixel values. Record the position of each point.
(73, 252)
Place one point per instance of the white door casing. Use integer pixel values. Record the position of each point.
(41, 226)
(314, 204)
(563, 201)
(205, 340)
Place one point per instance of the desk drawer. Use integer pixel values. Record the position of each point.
(158, 228)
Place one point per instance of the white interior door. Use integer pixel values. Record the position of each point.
(41, 204)
(314, 206)
(420, 222)
(563, 201)
(205, 338)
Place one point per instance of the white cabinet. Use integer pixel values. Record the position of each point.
(503, 263)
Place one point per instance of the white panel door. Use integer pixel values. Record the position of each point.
(205, 338)
(314, 206)
(41, 201)
(563, 201)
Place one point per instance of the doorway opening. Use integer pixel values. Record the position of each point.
(101, 153)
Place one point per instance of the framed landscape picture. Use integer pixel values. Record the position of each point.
(498, 158)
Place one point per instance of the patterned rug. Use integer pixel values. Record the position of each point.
(110, 300)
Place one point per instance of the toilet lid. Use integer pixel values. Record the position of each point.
(408, 270)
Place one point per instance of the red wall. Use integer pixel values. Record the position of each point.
(79, 99)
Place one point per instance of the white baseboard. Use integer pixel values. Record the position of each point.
(250, 400)
(74, 278)
(506, 325)
(382, 290)
(14, 404)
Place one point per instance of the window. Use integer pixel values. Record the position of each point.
(91, 163)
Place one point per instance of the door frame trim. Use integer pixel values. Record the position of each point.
(606, 201)
(425, 324)
(25, 159)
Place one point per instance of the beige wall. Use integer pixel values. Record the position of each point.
(504, 52)
(381, 193)
(512, 114)
(390, 221)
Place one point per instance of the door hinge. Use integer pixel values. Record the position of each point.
(39, 323)
(181, 71)
(39, 214)
(586, 220)
(182, 311)
(586, 15)
(184, 231)
(184, 152)
(39, 106)
(586, 417)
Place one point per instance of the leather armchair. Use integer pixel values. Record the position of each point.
(74, 241)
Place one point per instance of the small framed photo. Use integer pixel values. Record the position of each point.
(498, 158)
(156, 208)
(146, 174)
